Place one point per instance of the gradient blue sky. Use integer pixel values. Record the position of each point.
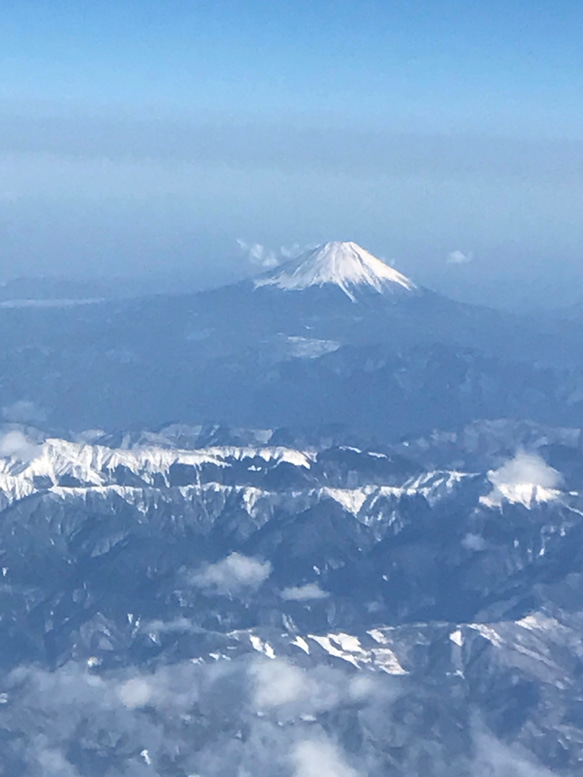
(148, 136)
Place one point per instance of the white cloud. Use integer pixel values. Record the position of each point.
(15, 445)
(178, 625)
(474, 542)
(526, 468)
(267, 258)
(258, 254)
(523, 478)
(169, 688)
(233, 574)
(277, 683)
(304, 593)
(135, 693)
(295, 692)
(459, 257)
(362, 686)
(53, 763)
(320, 758)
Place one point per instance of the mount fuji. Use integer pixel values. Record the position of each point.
(342, 264)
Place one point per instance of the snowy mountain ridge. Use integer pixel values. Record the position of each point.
(66, 469)
(61, 467)
(343, 264)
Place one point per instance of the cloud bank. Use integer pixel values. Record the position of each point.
(241, 717)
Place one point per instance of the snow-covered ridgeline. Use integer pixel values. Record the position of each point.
(536, 640)
(369, 651)
(67, 468)
(96, 466)
(357, 501)
(526, 494)
(72, 469)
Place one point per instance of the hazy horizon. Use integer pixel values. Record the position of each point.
(144, 140)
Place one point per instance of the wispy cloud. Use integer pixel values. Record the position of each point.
(320, 758)
(75, 132)
(258, 254)
(24, 412)
(264, 257)
(459, 257)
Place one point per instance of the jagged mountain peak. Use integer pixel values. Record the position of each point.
(343, 264)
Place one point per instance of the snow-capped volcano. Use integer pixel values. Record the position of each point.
(345, 265)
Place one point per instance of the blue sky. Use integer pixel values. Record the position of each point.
(150, 135)
(499, 66)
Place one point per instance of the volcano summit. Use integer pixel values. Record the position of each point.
(343, 264)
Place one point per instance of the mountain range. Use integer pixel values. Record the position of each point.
(442, 574)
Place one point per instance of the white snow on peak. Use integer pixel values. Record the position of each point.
(345, 265)
(527, 494)
(349, 648)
